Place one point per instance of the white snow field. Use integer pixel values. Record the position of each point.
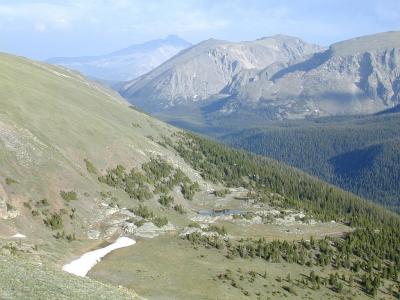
(83, 264)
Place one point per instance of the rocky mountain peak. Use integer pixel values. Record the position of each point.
(207, 68)
(368, 43)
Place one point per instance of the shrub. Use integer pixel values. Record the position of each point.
(140, 223)
(221, 193)
(166, 200)
(194, 237)
(160, 221)
(70, 237)
(59, 235)
(114, 177)
(10, 181)
(156, 169)
(54, 221)
(133, 183)
(218, 229)
(90, 166)
(188, 190)
(43, 202)
(179, 208)
(9, 206)
(105, 195)
(290, 289)
(194, 224)
(143, 212)
(68, 196)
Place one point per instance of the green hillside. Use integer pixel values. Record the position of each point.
(359, 154)
(22, 279)
(80, 168)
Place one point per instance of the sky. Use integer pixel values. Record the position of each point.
(44, 29)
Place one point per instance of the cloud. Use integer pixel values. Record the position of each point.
(44, 16)
(96, 26)
(40, 27)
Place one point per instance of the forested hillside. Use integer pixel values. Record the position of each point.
(359, 154)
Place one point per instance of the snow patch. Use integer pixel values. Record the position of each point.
(82, 265)
(19, 235)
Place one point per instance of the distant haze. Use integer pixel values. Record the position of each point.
(125, 64)
(44, 29)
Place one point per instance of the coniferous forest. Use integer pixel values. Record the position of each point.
(359, 154)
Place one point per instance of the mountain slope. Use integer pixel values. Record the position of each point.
(359, 154)
(206, 68)
(358, 76)
(81, 168)
(54, 126)
(291, 80)
(125, 64)
(22, 279)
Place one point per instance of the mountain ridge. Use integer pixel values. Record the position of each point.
(206, 68)
(127, 63)
(341, 80)
(356, 76)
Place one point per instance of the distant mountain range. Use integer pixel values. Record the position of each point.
(233, 91)
(125, 64)
(272, 78)
(208, 68)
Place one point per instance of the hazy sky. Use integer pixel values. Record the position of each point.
(43, 29)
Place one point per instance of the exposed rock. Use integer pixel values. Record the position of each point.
(207, 68)
(210, 219)
(189, 230)
(93, 234)
(129, 228)
(274, 78)
(149, 230)
(358, 76)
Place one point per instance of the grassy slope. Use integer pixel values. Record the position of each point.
(21, 279)
(66, 118)
(51, 120)
(170, 268)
